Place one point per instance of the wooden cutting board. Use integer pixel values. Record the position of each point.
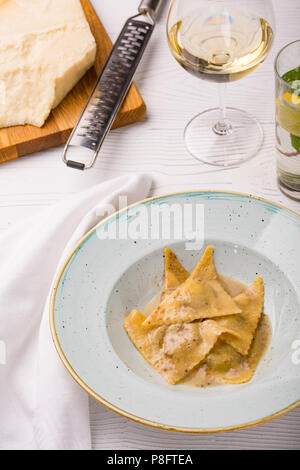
(23, 140)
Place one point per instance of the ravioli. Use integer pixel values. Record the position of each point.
(201, 296)
(224, 365)
(205, 269)
(174, 350)
(245, 323)
(198, 333)
(175, 274)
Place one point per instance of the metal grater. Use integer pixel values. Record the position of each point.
(111, 88)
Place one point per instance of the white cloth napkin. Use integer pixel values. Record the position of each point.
(41, 407)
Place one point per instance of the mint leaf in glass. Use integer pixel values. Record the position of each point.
(293, 78)
(295, 141)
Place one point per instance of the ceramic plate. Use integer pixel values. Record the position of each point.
(110, 273)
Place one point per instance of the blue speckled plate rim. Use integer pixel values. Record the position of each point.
(215, 195)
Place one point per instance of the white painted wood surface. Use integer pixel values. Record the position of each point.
(156, 146)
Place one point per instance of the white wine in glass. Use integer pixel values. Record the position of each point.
(221, 41)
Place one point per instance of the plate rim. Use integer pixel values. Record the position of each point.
(95, 395)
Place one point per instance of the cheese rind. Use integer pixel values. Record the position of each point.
(42, 58)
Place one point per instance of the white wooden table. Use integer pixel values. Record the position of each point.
(156, 146)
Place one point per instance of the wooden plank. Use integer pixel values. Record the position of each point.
(23, 140)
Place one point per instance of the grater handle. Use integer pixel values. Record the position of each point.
(149, 6)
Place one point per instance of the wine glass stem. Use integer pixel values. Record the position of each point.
(223, 126)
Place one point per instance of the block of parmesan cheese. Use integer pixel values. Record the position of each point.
(46, 47)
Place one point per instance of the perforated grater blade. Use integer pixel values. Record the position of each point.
(111, 88)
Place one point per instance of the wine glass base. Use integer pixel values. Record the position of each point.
(241, 143)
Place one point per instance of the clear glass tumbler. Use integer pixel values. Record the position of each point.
(287, 76)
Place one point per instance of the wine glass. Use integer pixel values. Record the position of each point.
(221, 41)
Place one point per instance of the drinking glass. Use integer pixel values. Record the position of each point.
(221, 41)
(287, 77)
